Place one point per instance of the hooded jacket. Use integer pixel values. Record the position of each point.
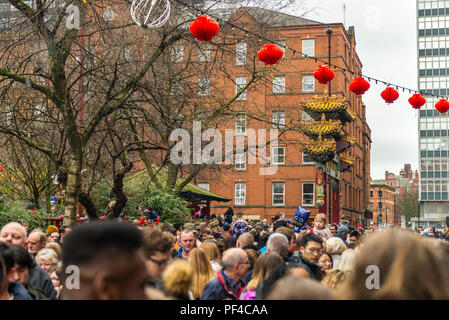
(314, 269)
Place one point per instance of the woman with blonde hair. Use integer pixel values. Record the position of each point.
(55, 246)
(213, 254)
(399, 265)
(202, 271)
(347, 260)
(335, 247)
(177, 280)
(47, 259)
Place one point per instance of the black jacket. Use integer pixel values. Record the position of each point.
(19, 292)
(314, 269)
(40, 279)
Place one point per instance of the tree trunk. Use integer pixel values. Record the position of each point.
(72, 190)
(88, 204)
(120, 196)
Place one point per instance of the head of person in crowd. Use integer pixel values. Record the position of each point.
(236, 263)
(55, 280)
(405, 267)
(333, 229)
(63, 232)
(265, 264)
(333, 278)
(252, 255)
(319, 223)
(212, 252)
(47, 259)
(245, 240)
(335, 247)
(14, 233)
(263, 240)
(36, 241)
(157, 246)
(311, 247)
(177, 279)
(342, 231)
(299, 288)
(188, 240)
(325, 261)
(354, 238)
(56, 247)
(230, 242)
(110, 260)
(4, 294)
(347, 260)
(290, 237)
(278, 243)
(54, 236)
(50, 230)
(202, 271)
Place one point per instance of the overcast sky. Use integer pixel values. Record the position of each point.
(386, 44)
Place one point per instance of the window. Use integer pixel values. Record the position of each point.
(278, 119)
(240, 194)
(308, 194)
(306, 159)
(240, 124)
(240, 54)
(240, 82)
(281, 44)
(203, 87)
(177, 53)
(379, 192)
(204, 186)
(240, 159)
(204, 54)
(371, 193)
(308, 83)
(278, 84)
(278, 155)
(308, 47)
(278, 193)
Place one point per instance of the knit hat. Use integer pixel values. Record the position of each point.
(343, 230)
(51, 229)
(189, 225)
(239, 228)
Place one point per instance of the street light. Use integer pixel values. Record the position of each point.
(329, 32)
(386, 217)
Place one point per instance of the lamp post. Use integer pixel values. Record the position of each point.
(386, 217)
(329, 32)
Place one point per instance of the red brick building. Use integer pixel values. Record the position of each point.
(293, 184)
(382, 197)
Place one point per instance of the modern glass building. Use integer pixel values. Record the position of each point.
(433, 78)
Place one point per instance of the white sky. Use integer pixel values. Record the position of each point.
(386, 44)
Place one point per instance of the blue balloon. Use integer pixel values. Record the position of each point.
(300, 219)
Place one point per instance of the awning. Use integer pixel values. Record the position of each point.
(193, 191)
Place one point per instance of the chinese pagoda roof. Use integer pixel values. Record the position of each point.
(327, 128)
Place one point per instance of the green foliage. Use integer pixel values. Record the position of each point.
(101, 195)
(11, 211)
(409, 205)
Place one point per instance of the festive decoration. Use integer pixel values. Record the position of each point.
(359, 86)
(150, 13)
(300, 219)
(324, 74)
(319, 185)
(270, 54)
(390, 95)
(417, 101)
(442, 106)
(204, 28)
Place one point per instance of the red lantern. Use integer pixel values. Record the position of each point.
(270, 54)
(442, 106)
(389, 95)
(2, 168)
(204, 28)
(417, 101)
(324, 74)
(359, 86)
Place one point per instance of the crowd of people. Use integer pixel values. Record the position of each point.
(222, 258)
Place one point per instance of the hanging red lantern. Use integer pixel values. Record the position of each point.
(2, 168)
(389, 95)
(324, 74)
(270, 54)
(417, 101)
(359, 86)
(204, 28)
(442, 106)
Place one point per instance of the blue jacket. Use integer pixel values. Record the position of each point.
(219, 289)
(19, 292)
(180, 252)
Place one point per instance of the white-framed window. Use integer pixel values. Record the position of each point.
(308, 194)
(240, 194)
(240, 82)
(306, 159)
(308, 83)
(204, 54)
(308, 47)
(240, 54)
(177, 53)
(203, 87)
(176, 88)
(240, 124)
(278, 155)
(278, 119)
(204, 186)
(279, 84)
(240, 159)
(278, 193)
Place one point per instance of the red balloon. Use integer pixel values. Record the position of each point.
(270, 54)
(359, 86)
(324, 74)
(417, 101)
(389, 95)
(442, 106)
(204, 28)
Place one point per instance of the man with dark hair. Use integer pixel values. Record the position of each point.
(354, 238)
(280, 221)
(63, 232)
(291, 240)
(109, 260)
(309, 253)
(333, 229)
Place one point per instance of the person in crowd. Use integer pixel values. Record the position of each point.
(354, 238)
(342, 233)
(63, 231)
(278, 243)
(230, 242)
(54, 276)
(177, 280)
(333, 278)
(213, 254)
(56, 247)
(299, 288)
(319, 227)
(157, 248)
(264, 266)
(347, 260)
(279, 221)
(47, 259)
(188, 241)
(202, 271)
(110, 258)
(245, 241)
(14, 233)
(252, 255)
(228, 215)
(36, 241)
(291, 240)
(325, 261)
(309, 253)
(408, 268)
(335, 247)
(333, 229)
(54, 236)
(228, 284)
